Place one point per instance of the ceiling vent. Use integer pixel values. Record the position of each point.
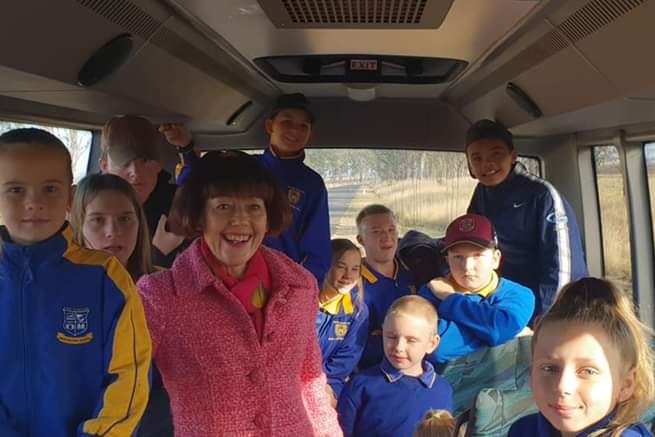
(583, 22)
(357, 14)
(125, 14)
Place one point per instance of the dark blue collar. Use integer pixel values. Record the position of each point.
(53, 247)
(427, 378)
(270, 157)
(544, 428)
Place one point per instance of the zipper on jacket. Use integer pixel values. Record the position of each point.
(26, 277)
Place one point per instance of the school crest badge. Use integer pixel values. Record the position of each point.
(75, 326)
(466, 225)
(340, 330)
(294, 195)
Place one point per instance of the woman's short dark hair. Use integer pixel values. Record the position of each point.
(227, 173)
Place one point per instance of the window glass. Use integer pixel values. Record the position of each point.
(613, 216)
(649, 151)
(77, 141)
(426, 189)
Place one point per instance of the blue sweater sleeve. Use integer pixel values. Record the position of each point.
(185, 163)
(127, 359)
(314, 245)
(6, 428)
(343, 360)
(493, 320)
(559, 246)
(348, 407)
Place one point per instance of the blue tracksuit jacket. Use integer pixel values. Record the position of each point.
(537, 232)
(342, 334)
(383, 402)
(74, 347)
(468, 322)
(307, 240)
(379, 293)
(538, 426)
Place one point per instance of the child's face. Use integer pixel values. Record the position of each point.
(379, 236)
(142, 174)
(111, 224)
(577, 375)
(346, 271)
(490, 161)
(290, 131)
(471, 265)
(407, 339)
(35, 192)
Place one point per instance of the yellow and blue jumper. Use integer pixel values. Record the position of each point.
(489, 317)
(342, 328)
(380, 292)
(74, 346)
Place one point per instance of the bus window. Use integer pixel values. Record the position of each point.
(426, 189)
(77, 141)
(613, 216)
(649, 151)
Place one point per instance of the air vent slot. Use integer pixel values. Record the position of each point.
(585, 21)
(356, 13)
(594, 15)
(126, 14)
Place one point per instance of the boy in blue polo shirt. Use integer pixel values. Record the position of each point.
(391, 399)
(307, 240)
(476, 307)
(385, 277)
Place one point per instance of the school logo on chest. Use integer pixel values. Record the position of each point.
(340, 330)
(295, 196)
(75, 326)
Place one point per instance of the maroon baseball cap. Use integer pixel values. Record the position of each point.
(470, 228)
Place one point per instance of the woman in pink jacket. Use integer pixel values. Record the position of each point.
(233, 322)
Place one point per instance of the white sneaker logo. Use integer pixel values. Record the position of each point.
(518, 205)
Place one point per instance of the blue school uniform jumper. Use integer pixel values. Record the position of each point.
(379, 293)
(537, 233)
(538, 426)
(307, 240)
(74, 347)
(383, 402)
(342, 328)
(468, 322)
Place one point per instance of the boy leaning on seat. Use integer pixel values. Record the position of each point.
(74, 347)
(477, 308)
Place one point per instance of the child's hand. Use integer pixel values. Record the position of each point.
(176, 134)
(440, 288)
(330, 393)
(163, 240)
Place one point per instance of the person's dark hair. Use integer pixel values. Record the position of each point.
(38, 138)
(373, 209)
(486, 129)
(292, 101)
(140, 262)
(232, 174)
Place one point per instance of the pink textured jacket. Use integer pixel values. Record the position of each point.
(221, 380)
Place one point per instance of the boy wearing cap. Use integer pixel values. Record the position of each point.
(476, 307)
(536, 226)
(129, 150)
(307, 240)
